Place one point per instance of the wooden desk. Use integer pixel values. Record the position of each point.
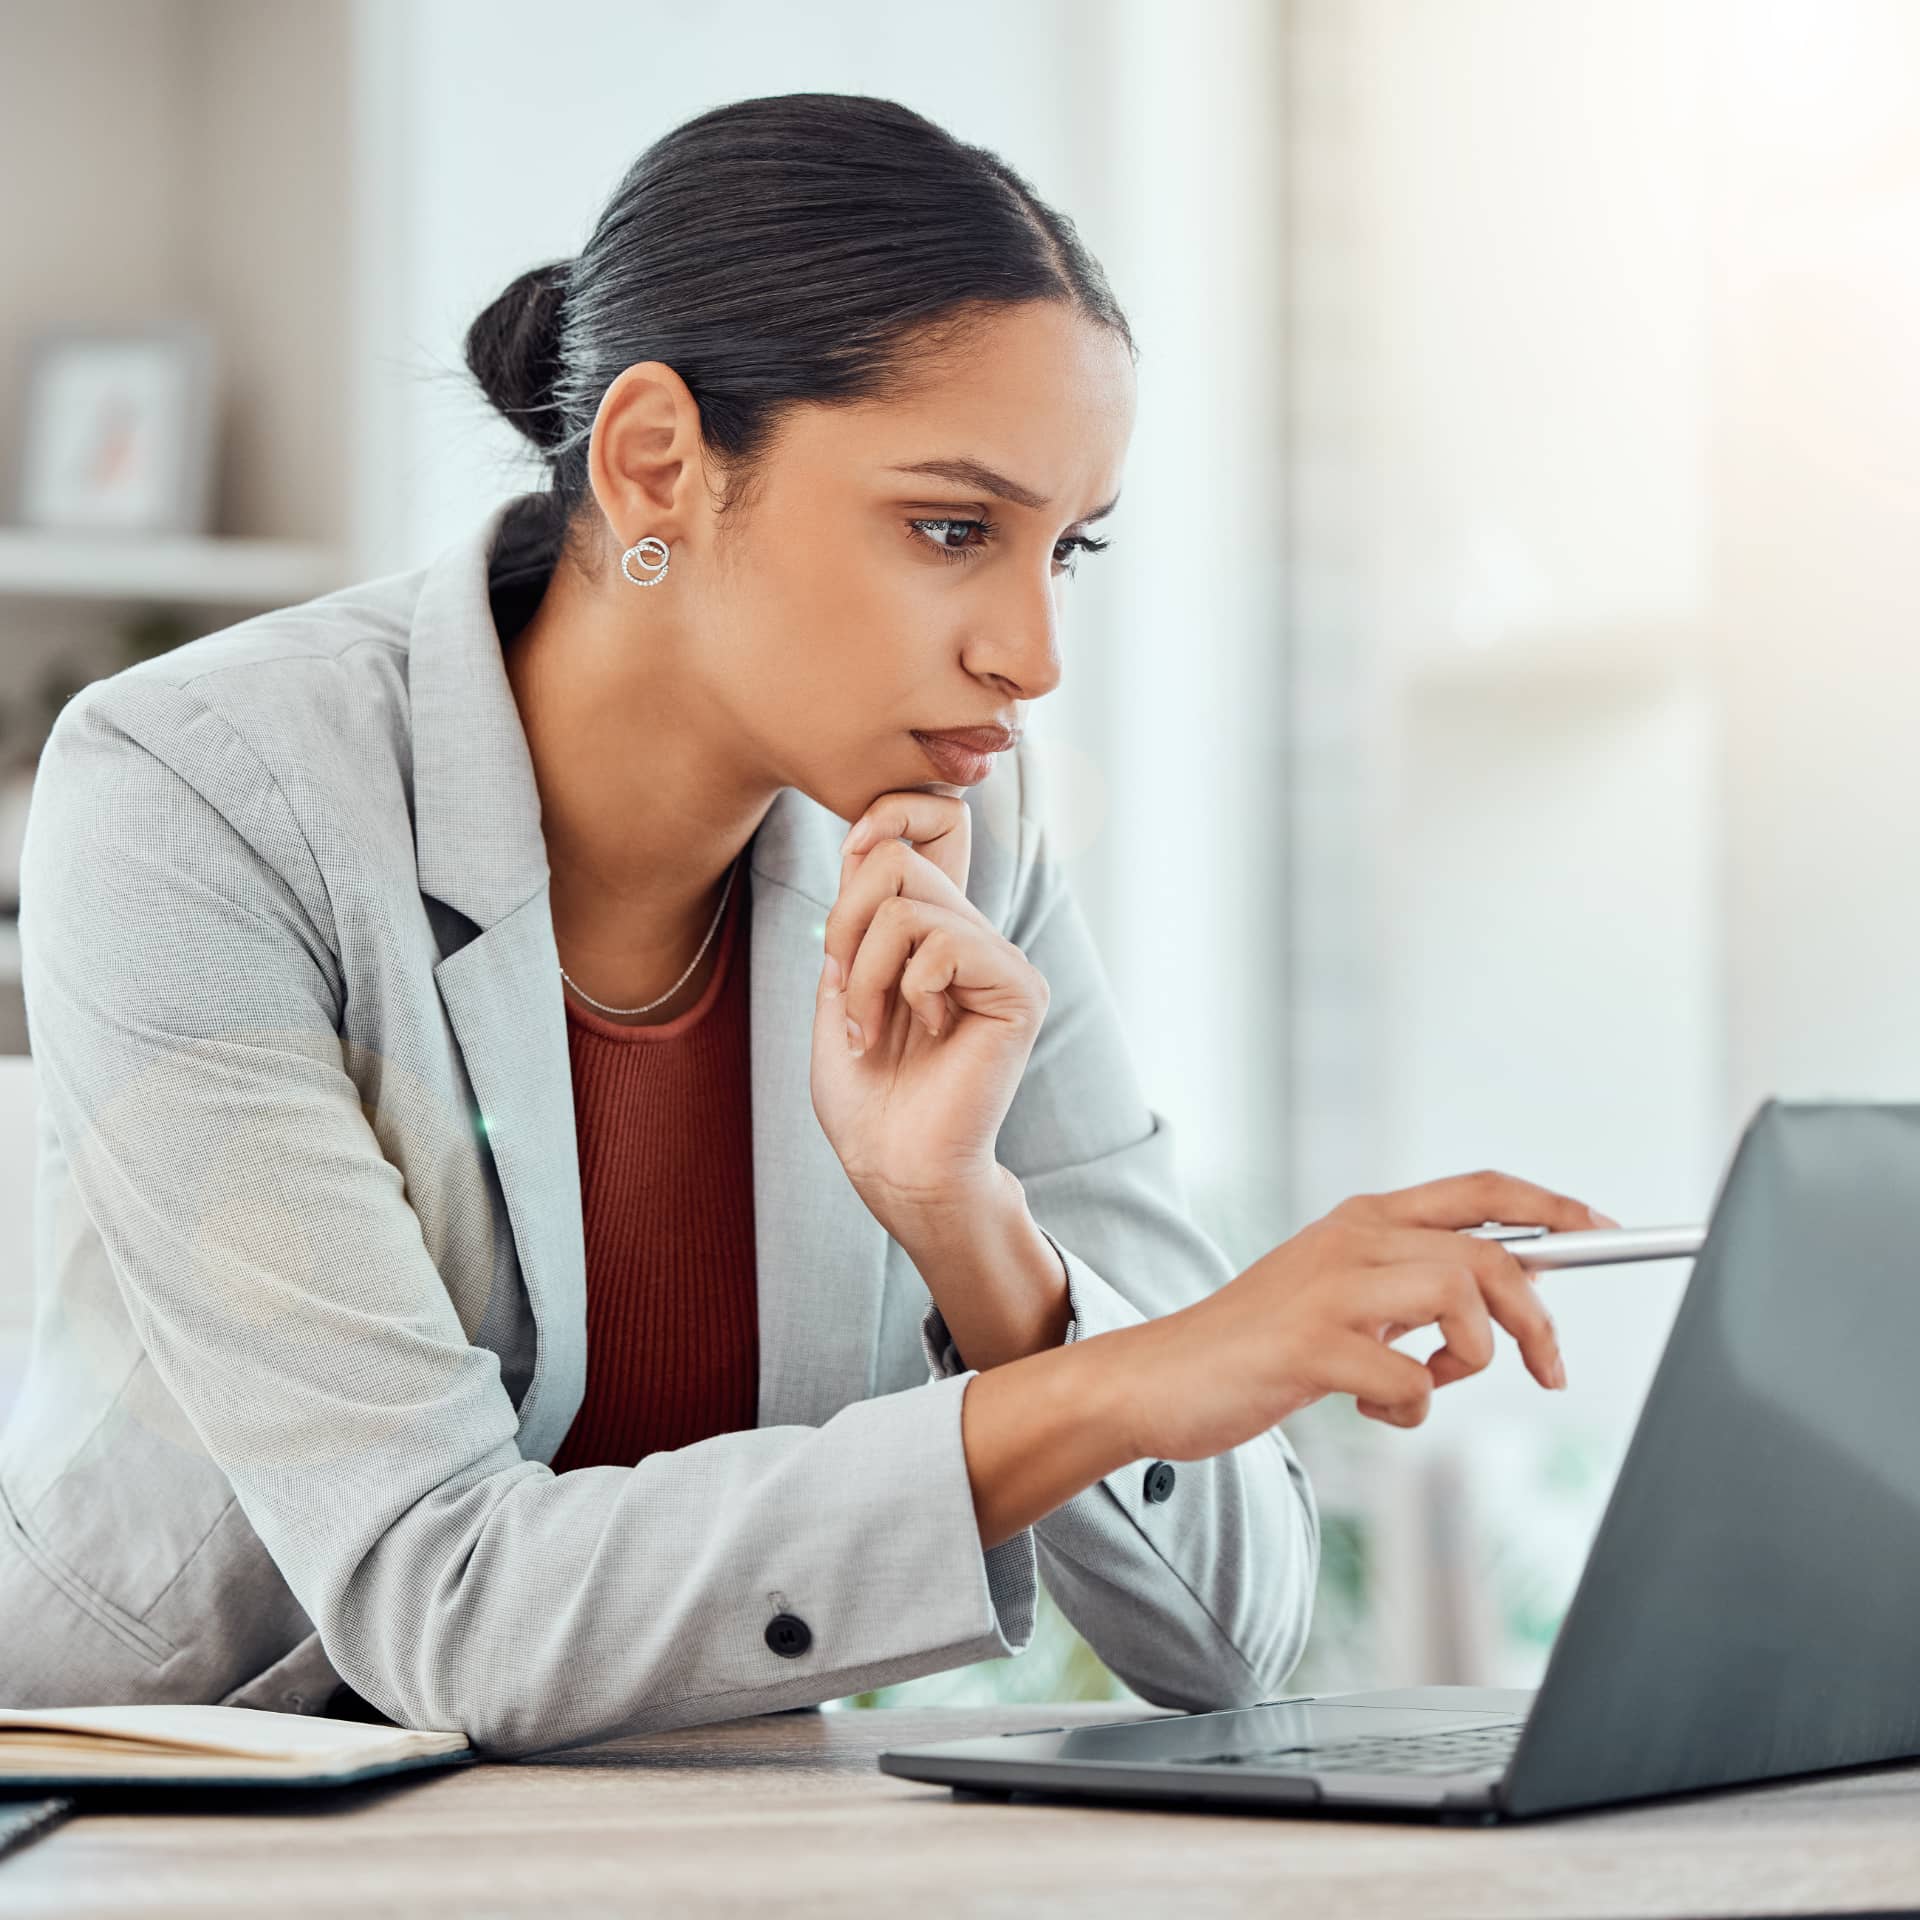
(788, 1815)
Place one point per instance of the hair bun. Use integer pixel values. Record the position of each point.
(513, 350)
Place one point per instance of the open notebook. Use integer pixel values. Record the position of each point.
(205, 1746)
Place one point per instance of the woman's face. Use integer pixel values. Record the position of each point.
(858, 602)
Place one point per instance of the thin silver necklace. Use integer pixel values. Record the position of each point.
(691, 964)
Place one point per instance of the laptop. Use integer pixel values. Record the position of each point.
(1748, 1609)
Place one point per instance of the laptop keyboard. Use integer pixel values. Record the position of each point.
(1467, 1750)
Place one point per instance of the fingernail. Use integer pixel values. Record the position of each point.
(856, 1040)
(1600, 1219)
(1559, 1371)
(853, 833)
(831, 973)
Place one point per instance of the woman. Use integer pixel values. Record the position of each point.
(535, 1236)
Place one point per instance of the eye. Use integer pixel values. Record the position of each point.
(1079, 543)
(1072, 544)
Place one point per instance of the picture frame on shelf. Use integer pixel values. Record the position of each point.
(119, 431)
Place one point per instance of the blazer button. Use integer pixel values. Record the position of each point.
(1159, 1482)
(788, 1635)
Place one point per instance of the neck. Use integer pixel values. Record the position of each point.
(642, 810)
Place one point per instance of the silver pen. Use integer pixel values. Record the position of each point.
(1542, 1251)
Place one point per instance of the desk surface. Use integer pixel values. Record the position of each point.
(789, 1815)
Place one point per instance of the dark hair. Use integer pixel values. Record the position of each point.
(799, 247)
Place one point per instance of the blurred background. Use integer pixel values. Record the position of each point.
(1491, 740)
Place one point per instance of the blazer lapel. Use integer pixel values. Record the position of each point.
(502, 995)
(477, 836)
(821, 1256)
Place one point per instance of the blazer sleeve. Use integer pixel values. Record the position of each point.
(1203, 1597)
(184, 997)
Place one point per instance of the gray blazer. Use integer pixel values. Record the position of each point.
(309, 1274)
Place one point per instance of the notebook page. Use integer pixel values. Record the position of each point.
(248, 1732)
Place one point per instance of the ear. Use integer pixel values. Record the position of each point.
(644, 459)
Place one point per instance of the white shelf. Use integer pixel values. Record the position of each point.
(178, 569)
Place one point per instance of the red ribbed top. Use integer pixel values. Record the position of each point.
(664, 1118)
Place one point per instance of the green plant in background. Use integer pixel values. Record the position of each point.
(1341, 1605)
(1335, 1446)
(1344, 1564)
(1540, 1498)
(26, 719)
(1057, 1665)
(153, 630)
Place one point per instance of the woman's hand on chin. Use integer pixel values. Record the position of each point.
(947, 1007)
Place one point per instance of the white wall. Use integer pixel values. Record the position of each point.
(1816, 450)
(1629, 304)
(1608, 478)
(1502, 614)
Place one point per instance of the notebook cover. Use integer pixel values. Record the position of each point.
(78, 1783)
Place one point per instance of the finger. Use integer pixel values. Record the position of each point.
(1446, 1366)
(1506, 1286)
(1385, 1383)
(1511, 1299)
(924, 981)
(939, 826)
(1472, 1199)
(1442, 1293)
(969, 960)
(829, 1018)
(891, 870)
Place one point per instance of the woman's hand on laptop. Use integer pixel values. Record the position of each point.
(1317, 1316)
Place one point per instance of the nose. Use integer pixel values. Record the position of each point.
(1021, 647)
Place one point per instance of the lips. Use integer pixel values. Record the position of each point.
(974, 739)
(956, 764)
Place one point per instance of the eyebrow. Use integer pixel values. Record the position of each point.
(976, 473)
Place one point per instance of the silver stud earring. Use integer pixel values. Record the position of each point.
(644, 552)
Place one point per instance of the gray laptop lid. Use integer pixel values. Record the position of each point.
(1751, 1605)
